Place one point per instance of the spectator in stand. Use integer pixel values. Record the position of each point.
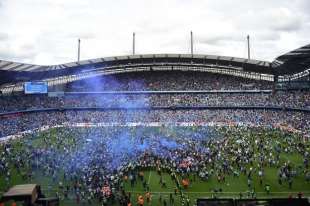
(287, 99)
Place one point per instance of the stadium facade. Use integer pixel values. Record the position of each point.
(291, 70)
(119, 98)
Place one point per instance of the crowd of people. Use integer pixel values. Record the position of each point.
(167, 80)
(15, 123)
(161, 81)
(80, 155)
(297, 99)
(94, 164)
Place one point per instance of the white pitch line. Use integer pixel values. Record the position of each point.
(132, 191)
(148, 182)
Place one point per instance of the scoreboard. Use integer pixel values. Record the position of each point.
(35, 87)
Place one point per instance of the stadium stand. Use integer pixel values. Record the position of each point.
(168, 80)
(242, 118)
(291, 99)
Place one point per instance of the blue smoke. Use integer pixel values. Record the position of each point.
(113, 147)
(169, 144)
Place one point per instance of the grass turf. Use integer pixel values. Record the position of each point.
(197, 189)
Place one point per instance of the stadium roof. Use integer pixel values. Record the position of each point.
(13, 72)
(294, 62)
(20, 67)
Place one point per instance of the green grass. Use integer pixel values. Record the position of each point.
(204, 189)
(197, 189)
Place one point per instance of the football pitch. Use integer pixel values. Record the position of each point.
(164, 188)
(233, 187)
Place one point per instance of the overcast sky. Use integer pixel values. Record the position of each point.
(46, 31)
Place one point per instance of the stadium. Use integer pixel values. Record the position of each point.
(162, 129)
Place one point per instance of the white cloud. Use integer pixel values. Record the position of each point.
(46, 31)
